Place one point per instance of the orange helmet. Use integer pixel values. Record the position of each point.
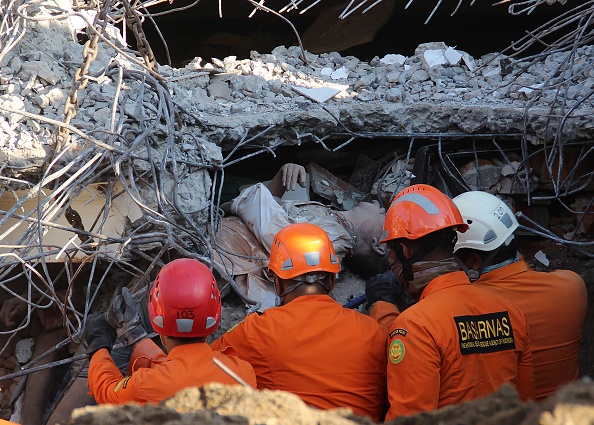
(302, 248)
(185, 300)
(418, 210)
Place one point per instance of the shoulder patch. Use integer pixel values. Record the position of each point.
(122, 384)
(398, 331)
(396, 351)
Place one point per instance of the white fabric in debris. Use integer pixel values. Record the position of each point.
(261, 213)
(265, 217)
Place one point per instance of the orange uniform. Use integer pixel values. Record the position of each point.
(457, 343)
(555, 306)
(188, 365)
(384, 313)
(326, 354)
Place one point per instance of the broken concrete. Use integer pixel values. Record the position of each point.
(159, 137)
(438, 90)
(219, 404)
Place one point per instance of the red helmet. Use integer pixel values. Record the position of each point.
(302, 248)
(185, 300)
(418, 210)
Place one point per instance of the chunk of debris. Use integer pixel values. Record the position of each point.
(340, 73)
(482, 178)
(542, 257)
(393, 59)
(319, 94)
(24, 350)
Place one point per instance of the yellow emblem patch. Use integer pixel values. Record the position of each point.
(122, 384)
(396, 353)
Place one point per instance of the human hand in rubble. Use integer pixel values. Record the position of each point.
(123, 316)
(383, 287)
(12, 309)
(98, 334)
(287, 178)
(293, 174)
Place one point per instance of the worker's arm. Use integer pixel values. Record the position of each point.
(414, 365)
(105, 379)
(525, 384)
(287, 178)
(383, 293)
(384, 313)
(146, 354)
(237, 338)
(106, 382)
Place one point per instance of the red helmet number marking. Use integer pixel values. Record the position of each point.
(185, 314)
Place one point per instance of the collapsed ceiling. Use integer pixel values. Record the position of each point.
(111, 160)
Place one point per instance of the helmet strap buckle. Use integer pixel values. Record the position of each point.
(474, 275)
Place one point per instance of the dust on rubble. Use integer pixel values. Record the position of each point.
(223, 404)
(219, 404)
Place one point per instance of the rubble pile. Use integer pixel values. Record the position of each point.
(227, 101)
(220, 404)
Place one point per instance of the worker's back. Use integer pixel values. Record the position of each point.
(555, 306)
(457, 343)
(313, 347)
(187, 365)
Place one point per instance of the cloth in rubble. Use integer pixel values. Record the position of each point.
(261, 216)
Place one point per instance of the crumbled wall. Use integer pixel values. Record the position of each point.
(225, 102)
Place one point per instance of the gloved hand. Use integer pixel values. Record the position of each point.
(383, 287)
(98, 334)
(123, 316)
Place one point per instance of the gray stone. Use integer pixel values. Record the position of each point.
(218, 63)
(302, 101)
(237, 109)
(42, 100)
(366, 96)
(15, 64)
(219, 88)
(365, 81)
(394, 94)
(42, 69)
(419, 76)
(573, 92)
(336, 58)
(393, 77)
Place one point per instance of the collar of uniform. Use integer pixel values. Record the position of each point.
(309, 298)
(445, 281)
(511, 269)
(188, 349)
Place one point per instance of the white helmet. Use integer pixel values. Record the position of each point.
(491, 223)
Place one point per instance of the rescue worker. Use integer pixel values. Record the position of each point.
(310, 345)
(554, 303)
(457, 342)
(184, 308)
